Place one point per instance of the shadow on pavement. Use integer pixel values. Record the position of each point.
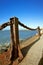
(26, 49)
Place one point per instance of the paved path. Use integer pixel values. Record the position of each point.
(34, 54)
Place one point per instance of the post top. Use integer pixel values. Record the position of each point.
(38, 27)
(13, 18)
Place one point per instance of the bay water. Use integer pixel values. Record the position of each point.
(23, 34)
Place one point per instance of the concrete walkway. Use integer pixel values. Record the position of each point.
(34, 55)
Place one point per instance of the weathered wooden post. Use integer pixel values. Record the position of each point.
(15, 47)
(39, 31)
(14, 37)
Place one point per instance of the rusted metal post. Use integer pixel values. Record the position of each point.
(14, 37)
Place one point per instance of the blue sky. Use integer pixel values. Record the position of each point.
(29, 12)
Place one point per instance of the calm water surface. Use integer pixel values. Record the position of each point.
(23, 34)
